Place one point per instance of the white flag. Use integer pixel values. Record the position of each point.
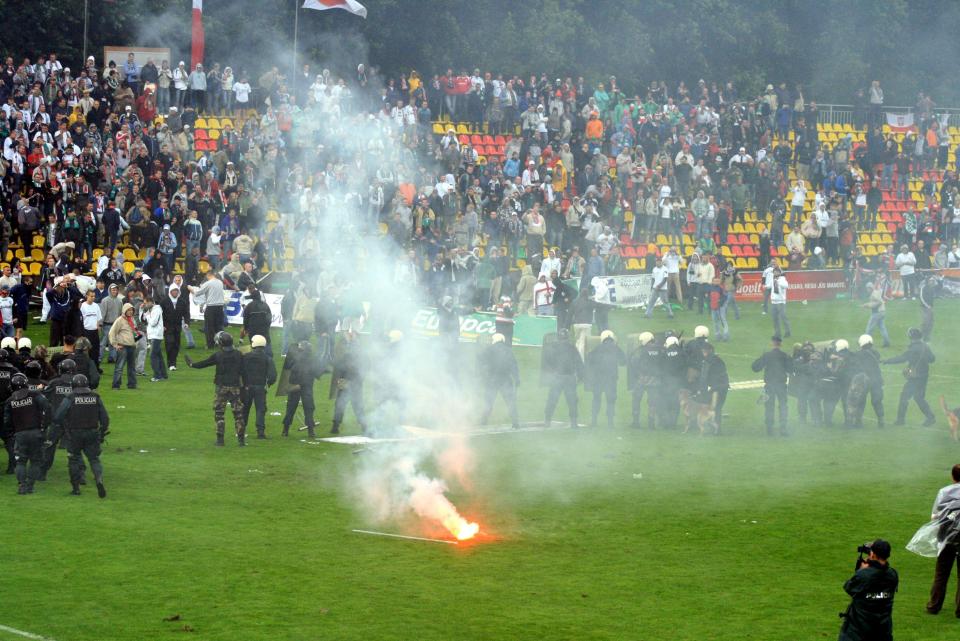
(900, 121)
(352, 6)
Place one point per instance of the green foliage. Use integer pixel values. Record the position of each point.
(829, 46)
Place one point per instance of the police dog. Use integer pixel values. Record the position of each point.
(695, 409)
(953, 418)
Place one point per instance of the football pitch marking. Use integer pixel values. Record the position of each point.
(22, 633)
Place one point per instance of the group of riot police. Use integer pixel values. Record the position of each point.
(674, 376)
(41, 413)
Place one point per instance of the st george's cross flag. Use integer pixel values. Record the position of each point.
(196, 33)
(352, 6)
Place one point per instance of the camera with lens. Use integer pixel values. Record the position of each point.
(866, 548)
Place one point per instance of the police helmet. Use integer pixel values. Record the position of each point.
(67, 366)
(79, 380)
(841, 344)
(671, 341)
(498, 338)
(223, 339)
(83, 344)
(607, 334)
(4, 355)
(914, 334)
(25, 343)
(18, 381)
(394, 335)
(864, 340)
(701, 331)
(9, 343)
(258, 341)
(646, 337)
(33, 369)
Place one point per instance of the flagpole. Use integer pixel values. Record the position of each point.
(296, 30)
(86, 20)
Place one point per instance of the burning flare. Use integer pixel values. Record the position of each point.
(427, 500)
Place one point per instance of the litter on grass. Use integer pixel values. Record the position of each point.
(121, 407)
(638, 475)
(144, 451)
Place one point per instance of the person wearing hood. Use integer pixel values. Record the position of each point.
(524, 291)
(602, 371)
(110, 311)
(175, 307)
(197, 81)
(123, 337)
(168, 246)
(257, 318)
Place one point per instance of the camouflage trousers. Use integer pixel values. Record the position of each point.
(233, 396)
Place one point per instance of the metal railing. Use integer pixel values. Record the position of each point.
(844, 114)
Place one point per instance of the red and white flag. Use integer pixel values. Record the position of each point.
(196, 32)
(352, 6)
(900, 122)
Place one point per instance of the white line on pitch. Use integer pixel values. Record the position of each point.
(28, 635)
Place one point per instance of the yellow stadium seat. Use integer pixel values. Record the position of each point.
(38, 241)
(224, 122)
(37, 254)
(753, 263)
(129, 254)
(463, 129)
(213, 123)
(34, 269)
(725, 250)
(741, 263)
(128, 267)
(870, 250)
(438, 128)
(201, 123)
(204, 266)
(214, 134)
(633, 264)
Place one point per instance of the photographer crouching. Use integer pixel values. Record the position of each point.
(869, 617)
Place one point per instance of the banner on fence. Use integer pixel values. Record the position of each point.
(233, 310)
(528, 331)
(900, 122)
(818, 284)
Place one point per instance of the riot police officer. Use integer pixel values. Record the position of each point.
(346, 384)
(34, 373)
(867, 375)
(7, 371)
(803, 383)
(562, 369)
(501, 375)
(714, 384)
(259, 374)
(305, 368)
(839, 365)
(674, 378)
(776, 367)
(603, 369)
(87, 424)
(643, 377)
(24, 411)
(55, 391)
(918, 358)
(228, 380)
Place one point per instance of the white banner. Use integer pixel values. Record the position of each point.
(900, 121)
(235, 304)
(623, 291)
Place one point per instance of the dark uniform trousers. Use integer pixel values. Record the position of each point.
(294, 398)
(638, 393)
(916, 389)
(84, 443)
(350, 393)
(28, 448)
(565, 384)
(856, 410)
(609, 390)
(232, 395)
(255, 395)
(508, 391)
(212, 323)
(776, 396)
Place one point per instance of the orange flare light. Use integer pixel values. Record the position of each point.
(461, 528)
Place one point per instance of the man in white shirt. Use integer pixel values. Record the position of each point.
(947, 501)
(796, 202)
(906, 262)
(543, 296)
(92, 318)
(7, 329)
(152, 316)
(550, 264)
(661, 279)
(671, 262)
(767, 277)
(778, 302)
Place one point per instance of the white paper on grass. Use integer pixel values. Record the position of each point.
(925, 542)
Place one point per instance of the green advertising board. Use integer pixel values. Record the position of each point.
(528, 331)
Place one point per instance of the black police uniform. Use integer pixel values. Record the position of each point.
(714, 385)
(55, 391)
(85, 419)
(259, 374)
(802, 385)
(25, 413)
(918, 358)
(346, 386)
(305, 368)
(869, 617)
(603, 375)
(7, 370)
(866, 373)
(674, 378)
(501, 375)
(840, 366)
(644, 370)
(777, 367)
(562, 370)
(257, 319)
(228, 382)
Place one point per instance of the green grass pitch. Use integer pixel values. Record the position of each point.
(730, 538)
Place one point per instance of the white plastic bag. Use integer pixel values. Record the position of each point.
(924, 542)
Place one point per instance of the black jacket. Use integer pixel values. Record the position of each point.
(561, 358)
(917, 357)
(175, 314)
(870, 615)
(645, 366)
(257, 318)
(259, 368)
(603, 365)
(229, 366)
(776, 367)
(498, 366)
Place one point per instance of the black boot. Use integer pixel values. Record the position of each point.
(76, 489)
(311, 433)
(241, 441)
(261, 435)
(101, 491)
(286, 431)
(219, 440)
(636, 422)
(335, 429)
(21, 489)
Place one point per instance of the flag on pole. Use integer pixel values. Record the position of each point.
(196, 40)
(352, 6)
(900, 122)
